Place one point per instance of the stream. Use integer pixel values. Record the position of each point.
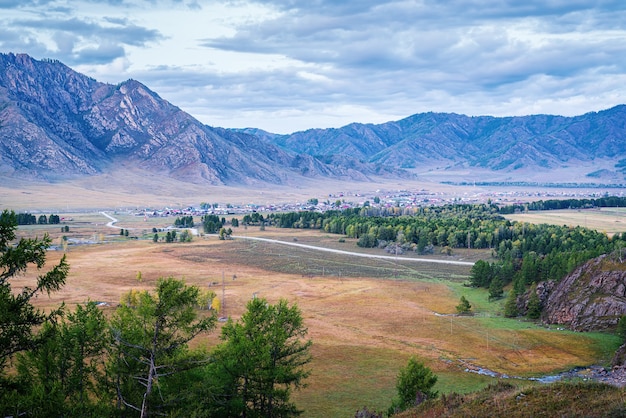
(615, 377)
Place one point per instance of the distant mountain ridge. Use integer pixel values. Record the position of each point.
(57, 123)
(506, 143)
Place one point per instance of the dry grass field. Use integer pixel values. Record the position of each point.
(366, 317)
(609, 220)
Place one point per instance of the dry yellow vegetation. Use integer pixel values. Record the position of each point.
(364, 328)
(365, 317)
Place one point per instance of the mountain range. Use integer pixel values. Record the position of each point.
(56, 123)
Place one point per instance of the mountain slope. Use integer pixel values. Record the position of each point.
(57, 123)
(498, 144)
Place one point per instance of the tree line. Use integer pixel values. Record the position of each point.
(30, 219)
(554, 204)
(138, 361)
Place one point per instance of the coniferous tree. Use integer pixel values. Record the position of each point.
(261, 361)
(414, 385)
(496, 288)
(510, 306)
(19, 319)
(464, 307)
(149, 346)
(534, 304)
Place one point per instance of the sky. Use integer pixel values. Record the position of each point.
(291, 65)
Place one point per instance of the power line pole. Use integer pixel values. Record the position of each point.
(223, 295)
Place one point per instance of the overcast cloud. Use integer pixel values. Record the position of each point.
(287, 65)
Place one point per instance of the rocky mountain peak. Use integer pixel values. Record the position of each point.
(55, 122)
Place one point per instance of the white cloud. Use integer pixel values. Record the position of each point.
(285, 65)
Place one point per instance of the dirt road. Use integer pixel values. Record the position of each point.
(384, 257)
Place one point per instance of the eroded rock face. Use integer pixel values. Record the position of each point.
(57, 123)
(592, 298)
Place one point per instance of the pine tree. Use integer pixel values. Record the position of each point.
(496, 288)
(510, 306)
(534, 304)
(464, 307)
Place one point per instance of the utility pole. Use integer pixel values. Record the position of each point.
(223, 296)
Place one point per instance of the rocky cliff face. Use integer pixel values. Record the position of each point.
(57, 123)
(592, 298)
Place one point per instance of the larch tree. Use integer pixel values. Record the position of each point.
(150, 345)
(18, 317)
(261, 361)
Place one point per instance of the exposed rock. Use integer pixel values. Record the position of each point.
(55, 122)
(591, 298)
(619, 359)
(543, 291)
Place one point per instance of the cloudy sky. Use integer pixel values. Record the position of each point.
(288, 65)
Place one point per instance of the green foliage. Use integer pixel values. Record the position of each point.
(184, 222)
(149, 345)
(367, 241)
(510, 306)
(464, 307)
(63, 375)
(553, 204)
(496, 288)
(254, 218)
(26, 219)
(536, 252)
(211, 223)
(414, 384)
(261, 361)
(22, 326)
(18, 317)
(534, 304)
(481, 274)
(185, 236)
(225, 233)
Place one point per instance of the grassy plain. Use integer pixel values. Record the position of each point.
(608, 220)
(366, 317)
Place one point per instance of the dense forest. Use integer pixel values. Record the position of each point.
(523, 253)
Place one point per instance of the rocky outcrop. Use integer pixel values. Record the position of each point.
(619, 359)
(591, 298)
(57, 123)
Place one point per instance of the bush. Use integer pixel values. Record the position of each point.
(414, 385)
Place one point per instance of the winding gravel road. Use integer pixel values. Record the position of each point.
(113, 220)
